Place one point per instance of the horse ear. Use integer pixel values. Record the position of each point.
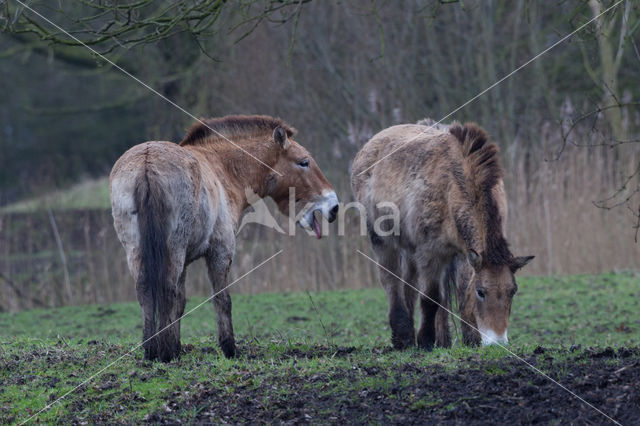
(474, 259)
(280, 136)
(519, 262)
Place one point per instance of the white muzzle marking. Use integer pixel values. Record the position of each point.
(327, 203)
(490, 337)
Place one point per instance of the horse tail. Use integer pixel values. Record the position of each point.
(152, 283)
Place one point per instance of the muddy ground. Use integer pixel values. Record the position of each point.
(499, 392)
(324, 358)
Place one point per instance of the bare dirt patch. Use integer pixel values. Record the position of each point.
(496, 391)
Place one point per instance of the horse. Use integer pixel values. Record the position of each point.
(175, 203)
(447, 184)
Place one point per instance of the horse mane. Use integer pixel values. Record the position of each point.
(233, 126)
(480, 155)
(485, 172)
(430, 122)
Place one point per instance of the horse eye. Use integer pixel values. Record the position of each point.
(304, 163)
(480, 294)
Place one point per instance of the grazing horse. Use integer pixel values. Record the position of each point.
(173, 204)
(447, 185)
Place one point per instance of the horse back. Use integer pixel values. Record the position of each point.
(446, 182)
(410, 166)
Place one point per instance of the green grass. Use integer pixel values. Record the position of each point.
(45, 353)
(90, 194)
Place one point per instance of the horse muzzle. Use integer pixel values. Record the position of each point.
(327, 206)
(490, 337)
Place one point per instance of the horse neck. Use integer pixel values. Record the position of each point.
(468, 222)
(481, 230)
(241, 168)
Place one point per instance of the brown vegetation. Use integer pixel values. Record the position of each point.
(551, 215)
(340, 71)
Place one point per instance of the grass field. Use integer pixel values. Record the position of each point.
(88, 194)
(326, 357)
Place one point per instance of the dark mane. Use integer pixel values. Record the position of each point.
(479, 154)
(233, 126)
(485, 173)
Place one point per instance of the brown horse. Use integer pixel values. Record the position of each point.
(173, 204)
(447, 185)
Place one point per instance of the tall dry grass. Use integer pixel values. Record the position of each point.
(554, 211)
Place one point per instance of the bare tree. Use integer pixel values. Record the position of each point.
(110, 25)
(613, 34)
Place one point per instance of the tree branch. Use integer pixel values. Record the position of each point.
(110, 25)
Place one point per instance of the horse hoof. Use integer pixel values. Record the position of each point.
(168, 356)
(228, 347)
(402, 342)
(150, 354)
(426, 345)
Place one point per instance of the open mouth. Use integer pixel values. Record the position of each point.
(312, 221)
(315, 213)
(316, 224)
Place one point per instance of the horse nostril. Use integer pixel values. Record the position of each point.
(333, 213)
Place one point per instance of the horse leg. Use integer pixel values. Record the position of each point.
(429, 301)
(181, 295)
(218, 265)
(400, 312)
(145, 299)
(149, 344)
(443, 333)
(409, 275)
(171, 347)
(170, 312)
